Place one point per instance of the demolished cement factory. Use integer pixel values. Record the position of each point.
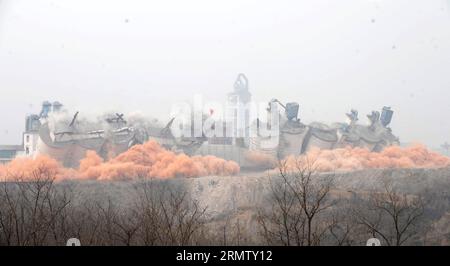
(67, 137)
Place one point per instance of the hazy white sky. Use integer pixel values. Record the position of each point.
(329, 56)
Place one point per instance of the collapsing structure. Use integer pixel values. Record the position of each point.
(67, 137)
(292, 136)
(296, 138)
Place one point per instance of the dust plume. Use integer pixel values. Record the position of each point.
(40, 168)
(152, 160)
(145, 160)
(348, 159)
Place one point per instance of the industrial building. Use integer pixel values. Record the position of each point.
(65, 137)
(30, 137)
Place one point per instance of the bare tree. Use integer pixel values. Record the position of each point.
(85, 223)
(285, 222)
(342, 229)
(120, 224)
(390, 215)
(30, 207)
(298, 199)
(169, 216)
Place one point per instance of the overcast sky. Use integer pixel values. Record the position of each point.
(330, 56)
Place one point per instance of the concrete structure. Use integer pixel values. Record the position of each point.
(30, 137)
(68, 138)
(65, 137)
(297, 138)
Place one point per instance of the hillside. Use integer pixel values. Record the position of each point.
(232, 202)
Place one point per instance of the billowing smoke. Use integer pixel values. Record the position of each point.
(23, 169)
(152, 160)
(347, 159)
(146, 160)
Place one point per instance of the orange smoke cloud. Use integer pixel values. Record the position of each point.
(146, 160)
(152, 160)
(347, 159)
(24, 169)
